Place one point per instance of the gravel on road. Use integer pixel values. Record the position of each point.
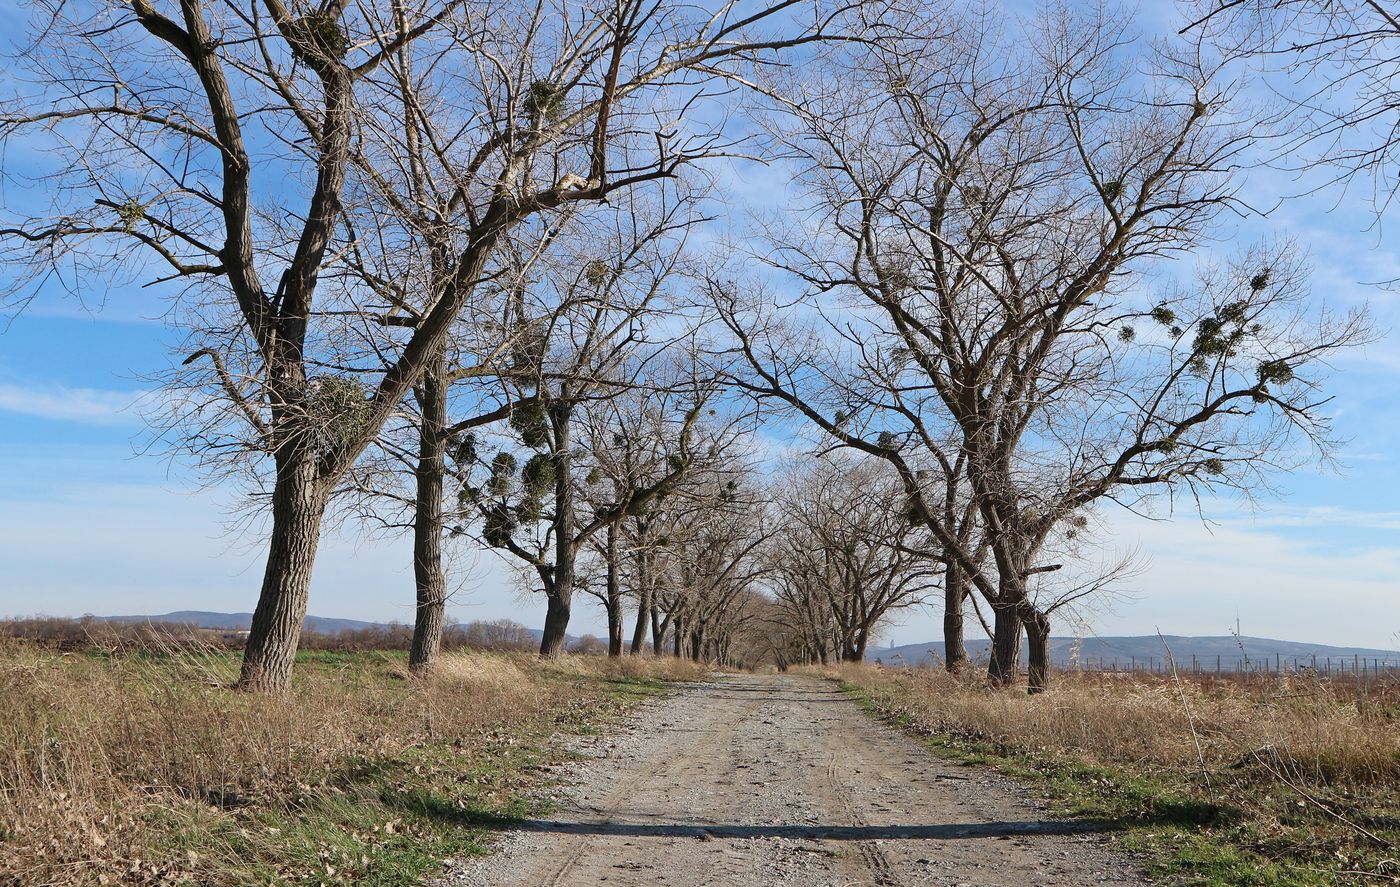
(768, 780)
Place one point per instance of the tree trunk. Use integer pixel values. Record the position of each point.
(556, 625)
(954, 599)
(614, 600)
(1038, 642)
(658, 628)
(644, 600)
(615, 630)
(639, 631)
(429, 580)
(560, 591)
(298, 505)
(1006, 646)
(862, 644)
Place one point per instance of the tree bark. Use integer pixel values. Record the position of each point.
(560, 591)
(855, 650)
(556, 625)
(1006, 646)
(658, 628)
(429, 580)
(614, 599)
(298, 505)
(954, 599)
(1038, 642)
(639, 631)
(644, 601)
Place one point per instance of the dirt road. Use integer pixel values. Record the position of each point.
(778, 780)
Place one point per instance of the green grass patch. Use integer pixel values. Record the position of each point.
(390, 822)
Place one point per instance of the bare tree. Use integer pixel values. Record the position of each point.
(586, 316)
(983, 228)
(631, 443)
(234, 141)
(849, 553)
(1335, 66)
(710, 564)
(496, 634)
(647, 537)
(758, 633)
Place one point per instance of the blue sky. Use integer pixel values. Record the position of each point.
(90, 524)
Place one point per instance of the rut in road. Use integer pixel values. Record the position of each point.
(761, 780)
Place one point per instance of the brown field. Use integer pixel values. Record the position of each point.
(1300, 771)
(128, 761)
(142, 767)
(89, 633)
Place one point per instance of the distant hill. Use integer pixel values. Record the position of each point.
(1147, 649)
(241, 622)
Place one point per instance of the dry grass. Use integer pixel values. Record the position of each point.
(1322, 735)
(644, 668)
(114, 768)
(1308, 773)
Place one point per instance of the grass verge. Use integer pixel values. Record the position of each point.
(144, 769)
(1277, 786)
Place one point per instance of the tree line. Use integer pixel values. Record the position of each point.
(470, 271)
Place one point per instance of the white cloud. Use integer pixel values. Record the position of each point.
(1200, 579)
(93, 406)
(82, 544)
(1293, 572)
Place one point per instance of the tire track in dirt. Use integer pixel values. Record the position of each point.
(877, 869)
(781, 781)
(574, 847)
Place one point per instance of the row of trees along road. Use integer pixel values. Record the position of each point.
(846, 559)
(436, 265)
(981, 239)
(303, 170)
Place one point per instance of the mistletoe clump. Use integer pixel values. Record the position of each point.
(544, 103)
(318, 36)
(538, 475)
(339, 409)
(597, 273)
(528, 350)
(498, 526)
(464, 451)
(1220, 335)
(1275, 372)
(502, 474)
(530, 422)
(131, 212)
